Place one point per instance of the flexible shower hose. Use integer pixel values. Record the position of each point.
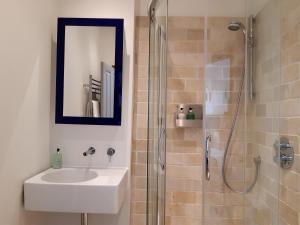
(256, 160)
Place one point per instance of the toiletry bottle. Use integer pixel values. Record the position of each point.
(56, 162)
(181, 115)
(190, 115)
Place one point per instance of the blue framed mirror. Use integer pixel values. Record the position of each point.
(89, 71)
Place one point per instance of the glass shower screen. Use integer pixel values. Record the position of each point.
(157, 113)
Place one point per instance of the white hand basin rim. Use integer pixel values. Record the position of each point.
(114, 179)
(69, 176)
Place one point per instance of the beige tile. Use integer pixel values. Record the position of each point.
(141, 108)
(140, 182)
(294, 54)
(142, 21)
(185, 210)
(195, 34)
(179, 59)
(140, 145)
(141, 96)
(139, 195)
(186, 22)
(187, 172)
(186, 47)
(194, 85)
(176, 220)
(141, 71)
(291, 73)
(139, 207)
(176, 84)
(186, 72)
(142, 59)
(295, 89)
(288, 214)
(175, 134)
(142, 34)
(139, 169)
(142, 47)
(186, 197)
(186, 97)
(138, 219)
(177, 34)
(142, 84)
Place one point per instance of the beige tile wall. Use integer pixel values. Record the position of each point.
(139, 151)
(289, 204)
(276, 197)
(184, 146)
(184, 153)
(277, 94)
(186, 65)
(225, 55)
(262, 118)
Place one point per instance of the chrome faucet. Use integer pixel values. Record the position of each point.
(90, 151)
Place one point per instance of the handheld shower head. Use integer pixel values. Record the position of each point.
(236, 26)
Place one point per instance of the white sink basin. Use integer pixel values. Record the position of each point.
(69, 176)
(77, 190)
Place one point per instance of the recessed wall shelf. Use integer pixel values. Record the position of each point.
(184, 123)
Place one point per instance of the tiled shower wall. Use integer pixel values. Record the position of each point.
(276, 112)
(277, 96)
(139, 148)
(262, 117)
(184, 146)
(223, 76)
(186, 65)
(289, 204)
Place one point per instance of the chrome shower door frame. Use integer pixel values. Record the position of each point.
(157, 95)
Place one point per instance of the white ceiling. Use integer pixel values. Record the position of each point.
(256, 5)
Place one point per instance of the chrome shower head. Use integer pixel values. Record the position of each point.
(236, 26)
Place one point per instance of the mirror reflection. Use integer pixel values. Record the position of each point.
(89, 75)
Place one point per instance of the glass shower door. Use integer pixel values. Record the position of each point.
(244, 189)
(225, 123)
(157, 114)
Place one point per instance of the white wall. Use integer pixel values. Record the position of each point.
(25, 59)
(74, 139)
(255, 6)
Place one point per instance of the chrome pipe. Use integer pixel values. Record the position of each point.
(84, 219)
(251, 45)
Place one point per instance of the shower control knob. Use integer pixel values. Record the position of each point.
(284, 153)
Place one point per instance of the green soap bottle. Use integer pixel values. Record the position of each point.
(190, 115)
(56, 161)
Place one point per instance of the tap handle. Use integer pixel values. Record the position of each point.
(110, 153)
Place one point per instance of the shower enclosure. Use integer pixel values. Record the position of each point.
(241, 62)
